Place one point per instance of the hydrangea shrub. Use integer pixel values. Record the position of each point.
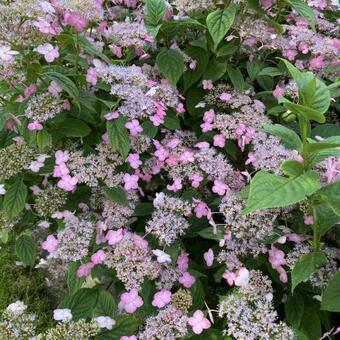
(172, 167)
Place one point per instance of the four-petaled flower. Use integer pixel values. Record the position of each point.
(199, 322)
(131, 301)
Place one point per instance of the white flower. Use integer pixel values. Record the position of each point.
(159, 200)
(62, 314)
(6, 54)
(161, 256)
(242, 278)
(2, 189)
(44, 224)
(17, 308)
(105, 322)
(47, 7)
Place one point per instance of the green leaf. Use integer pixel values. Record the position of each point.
(219, 22)
(304, 111)
(126, 325)
(82, 303)
(271, 191)
(292, 168)
(306, 265)
(74, 283)
(310, 324)
(118, 135)
(208, 233)
(117, 195)
(326, 130)
(149, 129)
(71, 127)
(326, 217)
(287, 136)
(331, 194)
(65, 83)
(43, 139)
(26, 249)
(172, 122)
(106, 304)
(215, 70)
(236, 78)
(198, 295)
(155, 11)
(3, 118)
(304, 10)
(15, 198)
(294, 310)
(144, 209)
(171, 64)
(270, 71)
(331, 295)
(90, 49)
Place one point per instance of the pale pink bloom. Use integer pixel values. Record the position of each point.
(46, 7)
(193, 64)
(44, 224)
(180, 108)
(54, 88)
(111, 115)
(230, 277)
(207, 127)
(134, 160)
(225, 96)
(201, 209)
(308, 219)
(161, 298)
(68, 183)
(209, 257)
(6, 54)
(282, 274)
(139, 241)
(303, 47)
(130, 182)
(36, 166)
(49, 52)
(290, 54)
(61, 157)
(162, 257)
(172, 160)
(199, 322)
(202, 145)
(75, 20)
(183, 262)
(187, 157)
(176, 186)
(29, 90)
(85, 269)
(316, 62)
(131, 301)
(98, 257)
(46, 27)
(242, 277)
(116, 50)
(187, 280)
(35, 126)
(132, 337)
(134, 127)
(92, 76)
(196, 180)
(161, 154)
(279, 91)
(173, 143)
(101, 27)
(276, 257)
(207, 84)
(2, 189)
(220, 188)
(219, 140)
(114, 236)
(67, 105)
(51, 244)
(60, 170)
(209, 116)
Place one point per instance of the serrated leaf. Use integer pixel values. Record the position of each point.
(292, 168)
(88, 48)
(118, 135)
(74, 283)
(289, 137)
(171, 64)
(26, 249)
(117, 195)
(331, 295)
(106, 304)
(304, 111)
(271, 191)
(82, 303)
(43, 139)
(304, 10)
(215, 70)
(236, 78)
(219, 22)
(15, 198)
(306, 265)
(294, 310)
(155, 11)
(71, 127)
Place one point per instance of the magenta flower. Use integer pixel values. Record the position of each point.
(196, 180)
(134, 160)
(75, 20)
(134, 127)
(209, 116)
(316, 62)
(176, 186)
(187, 280)
(68, 183)
(49, 52)
(201, 209)
(51, 244)
(116, 50)
(198, 322)
(111, 115)
(131, 301)
(98, 257)
(130, 182)
(114, 236)
(220, 188)
(91, 76)
(35, 126)
(219, 140)
(84, 270)
(276, 257)
(161, 298)
(209, 257)
(279, 91)
(29, 90)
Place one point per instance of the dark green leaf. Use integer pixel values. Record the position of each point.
(83, 302)
(331, 295)
(118, 135)
(106, 304)
(15, 198)
(26, 249)
(287, 136)
(171, 64)
(117, 195)
(72, 127)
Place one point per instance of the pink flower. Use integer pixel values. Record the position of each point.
(187, 280)
(54, 88)
(209, 257)
(29, 90)
(183, 262)
(193, 65)
(290, 54)
(161, 154)
(201, 209)
(139, 241)
(91, 76)
(132, 337)
(209, 116)
(49, 52)
(6, 54)
(161, 298)
(220, 188)
(75, 20)
(207, 84)
(206, 127)
(68, 183)
(276, 257)
(134, 127)
(131, 301)
(60, 170)
(130, 181)
(308, 219)
(279, 91)
(176, 186)
(67, 105)
(51, 244)
(35, 126)
(198, 322)
(219, 140)
(180, 108)
(225, 96)
(316, 62)
(187, 157)
(111, 115)
(98, 257)
(134, 160)
(116, 50)
(242, 277)
(114, 236)
(85, 269)
(196, 179)
(230, 277)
